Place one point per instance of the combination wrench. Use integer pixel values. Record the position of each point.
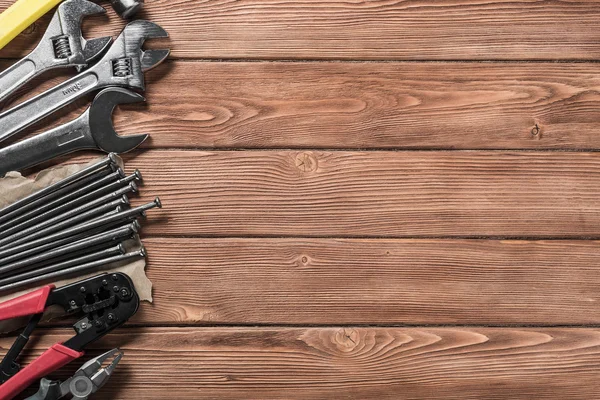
(92, 130)
(62, 46)
(123, 65)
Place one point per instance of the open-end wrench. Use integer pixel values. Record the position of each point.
(63, 45)
(123, 65)
(93, 130)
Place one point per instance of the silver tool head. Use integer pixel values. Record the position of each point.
(92, 375)
(101, 125)
(126, 59)
(127, 8)
(64, 42)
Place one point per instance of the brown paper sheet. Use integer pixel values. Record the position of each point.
(14, 187)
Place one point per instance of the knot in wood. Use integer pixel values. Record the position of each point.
(347, 339)
(306, 162)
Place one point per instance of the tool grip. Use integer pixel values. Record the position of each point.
(16, 76)
(20, 15)
(33, 110)
(28, 304)
(52, 359)
(46, 146)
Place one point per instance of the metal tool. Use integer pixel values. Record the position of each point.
(88, 251)
(127, 8)
(87, 380)
(75, 197)
(63, 45)
(117, 250)
(93, 130)
(31, 234)
(123, 65)
(68, 210)
(103, 309)
(69, 246)
(110, 162)
(23, 13)
(43, 275)
(120, 217)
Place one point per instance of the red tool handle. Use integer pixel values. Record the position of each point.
(52, 359)
(28, 304)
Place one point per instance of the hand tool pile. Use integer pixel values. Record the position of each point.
(120, 67)
(23, 13)
(74, 226)
(82, 223)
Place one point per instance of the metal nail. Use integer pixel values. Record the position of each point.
(36, 232)
(97, 223)
(66, 211)
(68, 271)
(64, 195)
(14, 263)
(109, 161)
(84, 259)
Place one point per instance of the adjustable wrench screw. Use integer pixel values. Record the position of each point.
(114, 277)
(98, 323)
(124, 293)
(104, 282)
(116, 289)
(112, 318)
(73, 303)
(82, 289)
(62, 48)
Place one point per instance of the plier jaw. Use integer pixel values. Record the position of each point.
(87, 380)
(107, 302)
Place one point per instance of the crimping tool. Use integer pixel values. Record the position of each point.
(107, 301)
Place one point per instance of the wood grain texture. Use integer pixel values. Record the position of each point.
(381, 194)
(370, 282)
(366, 30)
(363, 105)
(351, 363)
(370, 105)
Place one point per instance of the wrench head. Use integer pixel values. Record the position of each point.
(127, 61)
(63, 42)
(101, 125)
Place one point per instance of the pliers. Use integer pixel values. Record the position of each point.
(106, 302)
(86, 381)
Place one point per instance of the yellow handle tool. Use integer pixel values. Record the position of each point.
(20, 15)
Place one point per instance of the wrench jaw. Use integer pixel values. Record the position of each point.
(128, 61)
(63, 43)
(72, 13)
(100, 121)
(152, 58)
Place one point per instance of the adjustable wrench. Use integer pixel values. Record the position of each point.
(123, 65)
(63, 45)
(92, 130)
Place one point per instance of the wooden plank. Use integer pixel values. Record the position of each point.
(367, 30)
(366, 105)
(351, 363)
(370, 105)
(382, 194)
(370, 282)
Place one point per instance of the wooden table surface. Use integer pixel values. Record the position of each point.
(365, 200)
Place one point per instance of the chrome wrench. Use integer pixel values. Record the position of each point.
(123, 65)
(93, 130)
(63, 45)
